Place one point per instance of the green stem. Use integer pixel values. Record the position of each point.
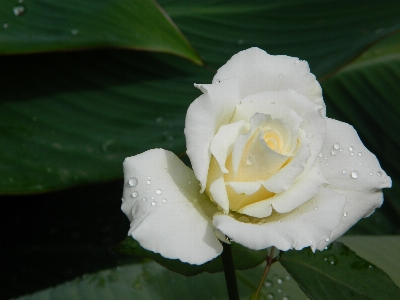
(270, 261)
(229, 270)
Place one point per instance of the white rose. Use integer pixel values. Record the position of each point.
(273, 170)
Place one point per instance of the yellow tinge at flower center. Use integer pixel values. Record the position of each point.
(260, 160)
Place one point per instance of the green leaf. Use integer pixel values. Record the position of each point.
(50, 25)
(325, 33)
(151, 281)
(243, 258)
(338, 273)
(71, 118)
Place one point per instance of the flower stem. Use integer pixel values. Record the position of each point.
(270, 261)
(229, 270)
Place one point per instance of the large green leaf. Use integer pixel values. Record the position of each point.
(71, 118)
(243, 258)
(48, 25)
(151, 281)
(338, 273)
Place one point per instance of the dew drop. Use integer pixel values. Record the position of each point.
(133, 181)
(148, 181)
(268, 284)
(159, 119)
(166, 169)
(244, 219)
(327, 164)
(279, 290)
(250, 160)
(344, 172)
(5, 25)
(327, 239)
(296, 61)
(352, 153)
(74, 32)
(345, 214)
(279, 281)
(370, 173)
(379, 173)
(359, 164)
(336, 146)
(320, 155)
(305, 221)
(240, 42)
(144, 199)
(285, 298)
(123, 199)
(129, 202)
(341, 149)
(351, 148)
(280, 76)
(19, 10)
(154, 203)
(158, 192)
(333, 152)
(309, 135)
(354, 174)
(359, 154)
(316, 207)
(164, 200)
(135, 194)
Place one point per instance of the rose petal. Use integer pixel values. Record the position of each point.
(301, 192)
(170, 220)
(204, 116)
(359, 205)
(252, 159)
(313, 122)
(258, 71)
(286, 176)
(222, 143)
(348, 164)
(306, 226)
(218, 192)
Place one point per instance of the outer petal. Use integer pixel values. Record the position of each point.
(204, 116)
(162, 200)
(306, 226)
(258, 71)
(347, 164)
(352, 171)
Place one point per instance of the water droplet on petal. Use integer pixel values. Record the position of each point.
(359, 153)
(352, 153)
(135, 194)
(154, 203)
(370, 173)
(158, 192)
(144, 199)
(327, 239)
(354, 174)
(164, 200)
(351, 148)
(309, 135)
(327, 164)
(336, 146)
(341, 149)
(344, 172)
(379, 173)
(19, 10)
(166, 169)
(345, 214)
(250, 160)
(359, 164)
(133, 181)
(333, 152)
(305, 221)
(148, 181)
(296, 61)
(123, 199)
(316, 207)
(320, 155)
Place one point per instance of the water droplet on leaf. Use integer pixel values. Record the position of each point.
(19, 10)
